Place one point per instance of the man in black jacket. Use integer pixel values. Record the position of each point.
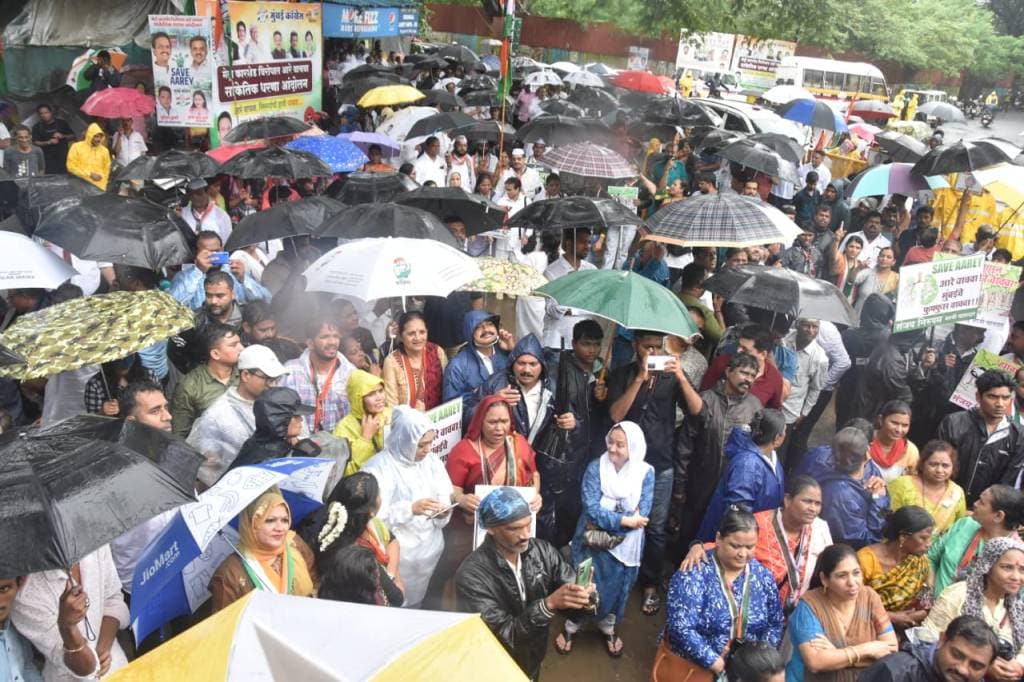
(967, 649)
(515, 582)
(989, 445)
(875, 323)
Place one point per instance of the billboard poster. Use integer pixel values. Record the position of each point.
(271, 63)
(708, 52)
(638, 58)
(182, 70)
(346, 21)
(755, 61)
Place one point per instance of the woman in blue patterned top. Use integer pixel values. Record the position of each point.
(730, 598)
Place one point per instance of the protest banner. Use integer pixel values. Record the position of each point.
(938, 292)
(272, 64)
(182, 70)
(755, 61)
(624, 195)
(447, 419)
(965, 394)
(998, 285)
(707, 52)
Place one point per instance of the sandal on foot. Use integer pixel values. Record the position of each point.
(609, 642)
(567, 649)
(651, 604)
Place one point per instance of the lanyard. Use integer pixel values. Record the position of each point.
(200, 217)
(739, 613)
(796, 566)
(321, 397)
(969, 554)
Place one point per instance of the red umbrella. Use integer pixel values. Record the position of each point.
(870, 109)
(642, 81)
(118, 103)
(226, 152)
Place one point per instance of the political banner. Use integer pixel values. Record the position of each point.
(998, 285)
(708, 52)
(966, 395)
(346, 21)
(271, 65)
(638, 58)
(182, 70)
(939, 292)
(755, 61)
(447, 419)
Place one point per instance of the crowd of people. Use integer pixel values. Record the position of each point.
(583, 471)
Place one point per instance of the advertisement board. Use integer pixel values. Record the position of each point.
(707, 52)
(755, 61)
(182, 70)
(345, 21)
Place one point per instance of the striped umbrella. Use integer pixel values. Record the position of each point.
(721, 220)
(588, 160)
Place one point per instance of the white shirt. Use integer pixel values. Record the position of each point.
(215, 218)
(488, 361)
(88, 277)
(530, 179)
(811, 369)
(534, 398)
(132, 147)
(558, 322)
(824, 175)
(431, 169)
(869, 253)
(4, 135)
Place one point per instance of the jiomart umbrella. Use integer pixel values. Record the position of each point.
(588, 160)
(372, 269)
(783, 291)
(173, 163)
(813, 113)
(570, 213)
(623, 297)
(386, 220)
(500, 276)
(437, 123)
(114, 229)
(92, 330)
(892, 178)
(476, 212)
(265, 128)
(341, 156)
(283, 220)
(369, 188)
(964, 156)
(275, 162)
(389, 96)
(721, 220)
(268, 636)
(27, 264)
(118, 103)
(640, 81)
(759, 157)
(900, 147)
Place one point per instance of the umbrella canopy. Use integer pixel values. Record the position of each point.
(372, 269)
(170, 164)
(781, 94)
(1006, 183)
(438, 123)
(118, 103)
(625, 298)
(364, 71)
(92, 330)
(813, 113)
(458, 54)
(226, 152)
(426, 62)
(561, 107)
(674, 111)
(267, 636)
(364, 141)
(341, 156)
(783, 291)
(397, 127)
(491, 131)
(478, 213)
(892, 178)
(569, 213)
(707, 137)
(594, 99)
(963, 156)
(442, 99)
(283, 220)
(786, 146)
(639, 81)
(353, 91)
(275, 162)
(600, 69)
(943, 110)
(477, 82)
(873, 109)
(390, 96)
(901, 147)
(541, 78)
(583, 78)
(370, 188)
(566, 67)
(50, 514)
(113, 229)
(485, 98)
(588, 160)
(27, 264)
(501, 276)
(36, 193)
(386, 220)
(865, 131)
(554, 130)
(526, 64)
(198, 538)
(721, 220)
(760, 157)
(265, 128)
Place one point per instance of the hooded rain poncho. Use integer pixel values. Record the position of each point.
(85, 158)
(360, 385)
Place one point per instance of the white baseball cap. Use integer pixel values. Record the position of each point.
(263, 359)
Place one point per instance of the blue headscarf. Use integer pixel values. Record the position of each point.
(502, 506)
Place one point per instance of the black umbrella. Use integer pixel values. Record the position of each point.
(118, 230)
(478, 214)
(963, 156)
(367, 71)
(484, 98)
(427, 62)
(490, 131)
(37, 193)
(708, 137)
(555, 130)
(285, 219)
(673, 111)
(943, 110)
(786, 146)
(386, 220)
(901, 148)
(352, 92)
(441, 99)
(478, 82)
(761, 158)
(438, 123)
(70, 488)
(458, 54)
(264, 129)
(170, 164)
(782, 291)
(370, 188)
(569, 213)
(561, 107)
(594, 99)
(275, 162)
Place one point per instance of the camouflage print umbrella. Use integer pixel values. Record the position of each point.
(503, 277)
(85, 331)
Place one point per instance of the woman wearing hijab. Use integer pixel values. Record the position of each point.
(618, 489)
(275, 558)
(992, 593)
(415, 496)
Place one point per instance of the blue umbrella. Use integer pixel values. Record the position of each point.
(388, 146)
(172, 575)
(492, 61)
(814, 113)
(892, 178)
(341, 156)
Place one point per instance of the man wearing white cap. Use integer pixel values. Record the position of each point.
(537, 150)
(528, 177)
(228, 421)
(461, 161)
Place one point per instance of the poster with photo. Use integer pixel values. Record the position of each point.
(755, 61)
(709, 53)
(182, 70)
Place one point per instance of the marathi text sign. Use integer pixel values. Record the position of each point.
(344, 21)
(182, 70)
(998, 285)
(447, 419)
(756, 61)
(966, 395)
(253, 81)
(938, 292)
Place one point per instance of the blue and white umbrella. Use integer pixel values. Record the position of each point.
(341, 156)
(172, 575)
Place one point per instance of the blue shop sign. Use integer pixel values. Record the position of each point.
(346, 21)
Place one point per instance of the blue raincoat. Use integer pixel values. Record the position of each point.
(466, 370)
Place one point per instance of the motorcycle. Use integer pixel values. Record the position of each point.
(986, 118)
(971, 109)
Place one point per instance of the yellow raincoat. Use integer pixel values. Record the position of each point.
(85, 158)
(912, 108)
(360, 385)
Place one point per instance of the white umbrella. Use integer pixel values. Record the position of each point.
(565, 67)
(781, 94)
(398, 126)
(539, 78)
(27, 264)
(584, 78)
(371, 269)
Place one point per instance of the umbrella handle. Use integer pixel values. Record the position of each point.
(90, 634)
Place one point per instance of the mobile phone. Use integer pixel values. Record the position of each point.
(442, 512)
(220, 258)
(584, 572)
(656, 363)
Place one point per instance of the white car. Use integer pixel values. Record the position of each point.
(750, 118)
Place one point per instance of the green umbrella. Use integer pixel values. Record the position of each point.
(627, 298)
(91, 330)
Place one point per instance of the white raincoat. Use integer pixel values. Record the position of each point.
(403, 481)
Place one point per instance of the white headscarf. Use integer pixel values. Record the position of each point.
(407, 427)
(621, 490)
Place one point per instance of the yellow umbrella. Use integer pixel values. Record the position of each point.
(390, 95)
(1005, 181)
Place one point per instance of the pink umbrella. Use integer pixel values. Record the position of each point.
(118, 103)
(641, 81)
(226, 152)
(865, 131)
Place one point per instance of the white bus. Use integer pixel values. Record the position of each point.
(829, 78)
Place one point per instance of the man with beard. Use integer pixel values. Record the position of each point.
(189, 286)
(963, 654)
(871, 235)
(462, 162)
(207, 382)
(320, 376)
